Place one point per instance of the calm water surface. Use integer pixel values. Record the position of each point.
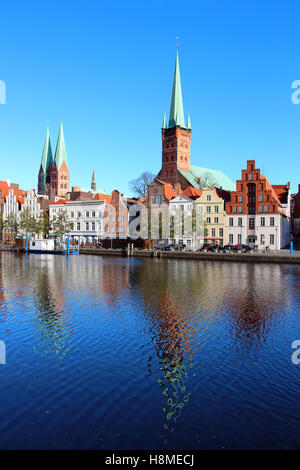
(113, 353)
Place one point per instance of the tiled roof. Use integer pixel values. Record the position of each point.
(282, 192)
(192, 193)
(102, 197)
(169, 190)
(219, 178)
(5, 190)
(270, 188)
(60, 201)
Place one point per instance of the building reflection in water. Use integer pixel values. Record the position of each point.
(180, 305)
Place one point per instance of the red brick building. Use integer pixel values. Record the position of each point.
(258, 213)
(176, 169)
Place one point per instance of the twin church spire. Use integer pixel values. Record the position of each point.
(54, 173)
(176, 117)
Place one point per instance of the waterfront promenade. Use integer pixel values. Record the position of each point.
(283, 256)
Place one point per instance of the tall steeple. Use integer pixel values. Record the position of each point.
(93, 185)
(176, 117)
(176, 137)
(46, 165)
(60, 176)
(60, 152)
(47, 158)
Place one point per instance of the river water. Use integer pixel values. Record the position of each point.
(117, 353)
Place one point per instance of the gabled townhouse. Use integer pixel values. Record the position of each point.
(116, 216)
(258, 214)
(211, 205)
(160, 192)
(181, 221)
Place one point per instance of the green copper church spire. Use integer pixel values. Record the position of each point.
(47, 158)
(176, 117)
(60, 152)
(164, 123)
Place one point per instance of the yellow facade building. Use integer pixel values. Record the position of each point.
(211, 205)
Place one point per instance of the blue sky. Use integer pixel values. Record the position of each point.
(106, 70)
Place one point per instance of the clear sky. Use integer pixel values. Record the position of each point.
(106, 70)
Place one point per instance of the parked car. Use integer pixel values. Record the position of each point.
(216, 248)
(240, 248)
(206, 247)
(170, 247)
(227, 248)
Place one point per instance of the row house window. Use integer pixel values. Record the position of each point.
(231, 239)
(213, 232)
(272, 239)
(216, 209)
(240, 209)
(208, 221)
(262, 239)
(272, 221)
(251, 199)
(208, 209)
(208, 198)
(240, 198)
(262, 221)
(251, 222)
(221, 232)
(231, 221)
(156, 199)
(240, 222)
(216, 220)
(239, 238)
(235, 209)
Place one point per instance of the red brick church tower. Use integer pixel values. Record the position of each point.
(59, 175)
(176, 137)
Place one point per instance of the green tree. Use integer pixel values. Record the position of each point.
(28, 223)
(10, 225)
(61, 226)
(44, 225)
(1, 225)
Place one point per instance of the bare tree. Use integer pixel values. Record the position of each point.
(207, 179)
(139, 186)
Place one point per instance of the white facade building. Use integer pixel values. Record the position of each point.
(181, 213)
(258, 230)
(86, 218)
